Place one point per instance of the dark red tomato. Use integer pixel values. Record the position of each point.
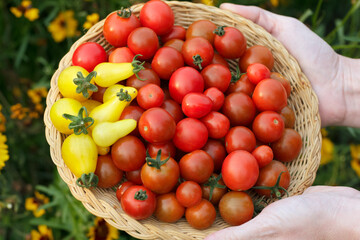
(98, 96)
(122, 188)
(217, 124)
(239, 108)
(150, 96)
(167, 149)
(167, 94)
(201, 28)
(88, 55)
(121, 55)
(263, 155)
(288, 116)
(148, 75)
(215, 187)
(118, 26)
(128, 153)
(217, 59)
(132, 112)
(216, 75)
(138, 202)
(166, 61)
(216, 149)
(109, 175)
(175, 43)
(240, 170)
(269, 94)
(269, 175)
(283, 80)
(134, 176)
(157, 125)
(288, 147)
(191, 134)
(196, 105)
(174, 109)
(158, 16)
(196, 166)
(256, 54)
(197, 52)
(229, 42)
(242, 85)
(168, 209)
(183, 81)
(177, 32)
(236, 208)
(160, 174)
(257, 72)
(268, 126)
(143, 41)
(240, 138)
(217, 97)
(189, 193)
(202, 215)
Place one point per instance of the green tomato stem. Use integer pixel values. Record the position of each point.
(87, 180)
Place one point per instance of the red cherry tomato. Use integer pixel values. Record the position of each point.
(214, 189)
(167, 149)
(132, 112)
(242, 85)
(166, 61)
(148, 75)
(202, 215)
(256, 54)
(288, 147)
(239, 108)
(257, 72)
(197, 52)
(88, 55)
(268, 126)
(217, 124)
(189, 193)
(168, 209)
(196, 166)
(121, 55)
(217, 59)
(217, 97)
(288, 116)
(98, 96)
(240, 138)
(174, 109)
(283, 80)
(196, 105)
(191, 134)
(143, 41)
(263, 155)
(175, 43)
(216, 149)
(177, 32)
(109, 175)
(229, 42)
(122, 188)
(201, 28)
(134, 176)
(216, 75)
(150, 95)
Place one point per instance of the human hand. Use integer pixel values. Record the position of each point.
(328, 72)
(322, 212)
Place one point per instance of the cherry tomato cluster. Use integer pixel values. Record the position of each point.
(204, 135)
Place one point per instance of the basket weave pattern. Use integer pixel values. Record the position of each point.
(103, 202)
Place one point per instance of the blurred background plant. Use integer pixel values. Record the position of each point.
(34, 202)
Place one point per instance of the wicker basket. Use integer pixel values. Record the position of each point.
(103, 202)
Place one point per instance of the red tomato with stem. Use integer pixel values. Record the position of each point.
(174, 109)
(268, 126)
(189, 193)
(132, 112)
(288, 147)
(256, 54)
(239, 108)
(177, 32)
(257, 72)
(88, 55)
(240, 138)
(196, 105)
(269, 94)
(121, 55)
(122, 188)
(109, 175)
(148, 75)
(202, 215)
(158, 16)
(216, 96)
(166, 61)
(143, 41)
(216, 75)
(196, 166)
(167, 149)
(229, 42)
(217, 124)
(150, 96)
(201, 28)
(241, 85)
(216, 149)
(190, 134)
(134, 176)
(168, 209)
(197, 52)
(263, 155)
(214, 189)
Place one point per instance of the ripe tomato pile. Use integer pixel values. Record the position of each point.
(162, 114)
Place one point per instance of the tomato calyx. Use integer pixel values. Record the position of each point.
(259, 205)
(275, 190)
(83, 83)
(78, 123)
(220, 31)
(157, 162)
(124, 12)
(213, 183)
(141, 195)
(137, 66)
(235, 76)
(123, 95)
(87, 180)
(197, 60)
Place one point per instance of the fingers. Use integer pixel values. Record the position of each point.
(331, 189)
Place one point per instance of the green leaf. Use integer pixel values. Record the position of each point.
(21, 53)
(308, 13)
(52, 223)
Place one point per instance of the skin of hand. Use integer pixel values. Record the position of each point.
(334, 78)
(321, 212)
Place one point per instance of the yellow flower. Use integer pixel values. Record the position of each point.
(91, 20)
(26, 9)
(275, 3)
(37, 94)
(2, 121)
(44, 233)
(102, 231)
(63, 26)
(4, 152)
(33, 204)
(208, 2)
(18, 111)
(327, 151)
(355, 154)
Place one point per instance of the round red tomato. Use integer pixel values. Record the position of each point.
(236, 208)
(196, 166)
(239, 108)
(166, 61)
(117, 27)
(216, 149)
(157, 125)
(269, 94)
(189, 193)
(168, 209)
(240, 170)
(88, 55)
(283, 80)
(122, 188)
(217, 59)
(240, 138)
(217, 124)
(214, 189)
(288, 116)
(216, 75)
(202, 215)
(128, 153)
(158, 16)
(197, 52)
(143, 41)
(174, 109)
(148, 75)
(217, 97)
(288, 147)
(175, 43)
(150, 96)
(134, 176)
(196, 105)
(167, 149)
(256, 54)
(109, 175)
(191, 134)
(183, 81)
(132, 112)
(201, 28)
(263, 155)
(268, 126)
(242, 85)
(138, 202)
(177, 32)
(229, 42)
(257, 72)
(121, 55)
(98, 96)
